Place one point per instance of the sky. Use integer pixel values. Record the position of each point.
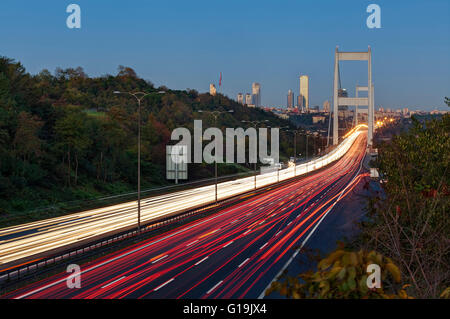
(186, 44)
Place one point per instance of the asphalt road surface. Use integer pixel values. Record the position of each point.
(234, 253)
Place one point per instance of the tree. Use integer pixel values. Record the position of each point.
(343, 275)
(68, 129)
(409, 223)
(126, 72)
(26, 140)
(72, 137)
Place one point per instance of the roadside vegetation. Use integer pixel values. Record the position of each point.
(406, 230)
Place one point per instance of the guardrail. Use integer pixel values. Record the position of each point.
(75, 206)
(31, 269)
(9, 277)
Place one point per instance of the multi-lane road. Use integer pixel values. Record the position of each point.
(233, 253)
(22, 243)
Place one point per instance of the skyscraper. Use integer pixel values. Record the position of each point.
(304, 92)
(299, 103)
(248, 99)
(256, 92)
(290, 99)
(326, 106)
(240, 98)
(212, 89)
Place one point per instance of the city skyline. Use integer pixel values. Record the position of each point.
(109, 35)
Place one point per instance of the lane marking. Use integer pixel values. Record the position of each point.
(227, 244)
(215, 286)
(160, 286)
(242, 263)
(200, 261)
(155, 261)
(263, 246)
(192, 243)
(112, 282)
(210, 233)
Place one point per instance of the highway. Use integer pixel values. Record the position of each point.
(22, 243)
(233, 253)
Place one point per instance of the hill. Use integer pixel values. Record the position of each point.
(66, 136)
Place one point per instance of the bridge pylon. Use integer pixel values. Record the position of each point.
(353, 101)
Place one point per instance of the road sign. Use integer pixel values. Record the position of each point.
(176, 162)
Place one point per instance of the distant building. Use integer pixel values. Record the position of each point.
(248, 99)
(314, 109)
(284, 116)
(318, 119)
(256, 92)
(212, 89)
(304, 93)
(405, 111)
(299, 103)
(290, 99)
(326, 106)
(240, 98)
(343, 93)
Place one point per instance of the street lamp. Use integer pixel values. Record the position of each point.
(139, 96)
(255, 124)
(215, 114)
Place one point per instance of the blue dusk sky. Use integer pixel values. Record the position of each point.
(186, 44)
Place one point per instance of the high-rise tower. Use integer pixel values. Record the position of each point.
(248, 99)
(290, 99)
(212, 89)
(240, 98)
(304, 92)
(256, 92)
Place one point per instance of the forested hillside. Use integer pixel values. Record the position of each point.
(66, 136)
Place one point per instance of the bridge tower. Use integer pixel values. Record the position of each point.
(353, 101)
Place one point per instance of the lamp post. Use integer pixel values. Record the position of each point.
(215, 114)
(139, 96)
(255, 124)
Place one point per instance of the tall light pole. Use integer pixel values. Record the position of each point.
(255, 125)
(215, 114)
(139, 96)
